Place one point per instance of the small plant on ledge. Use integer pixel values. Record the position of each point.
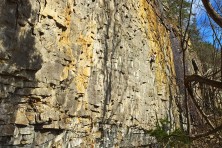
(168, 138)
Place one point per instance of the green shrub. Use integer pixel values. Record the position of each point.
(165, 137)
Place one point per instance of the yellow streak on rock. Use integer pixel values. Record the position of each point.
(85, 42)
(157, 42)
(85, 61)
(65, 43)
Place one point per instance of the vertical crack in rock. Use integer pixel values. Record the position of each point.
(109, 52)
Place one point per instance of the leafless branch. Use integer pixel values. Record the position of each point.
(195, 137)
(200, 79)
(213, 14)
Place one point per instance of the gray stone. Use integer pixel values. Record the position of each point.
(26, 130)
(74, 71)
(7, 130)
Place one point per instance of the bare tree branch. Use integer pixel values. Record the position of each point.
(200, 79)
(195, 137)
(213, 14)
(210, 82)
(214, 31)
(199, 108)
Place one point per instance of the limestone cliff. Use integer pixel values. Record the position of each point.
(77, 73)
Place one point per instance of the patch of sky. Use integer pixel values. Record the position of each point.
(204, 23)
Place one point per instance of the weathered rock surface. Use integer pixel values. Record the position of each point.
(76, 73)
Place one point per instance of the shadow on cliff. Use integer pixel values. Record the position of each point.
(18, 40)
(19, 60)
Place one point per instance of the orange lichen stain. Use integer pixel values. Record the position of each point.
(97, 134)
(84, 62)
(68, 120)
(149, 23)
(158, 41)
(65, 44)
(30, 116)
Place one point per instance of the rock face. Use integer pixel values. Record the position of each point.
(77, 73)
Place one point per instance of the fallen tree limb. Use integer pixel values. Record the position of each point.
(195, 137)
(199, 108)
(197, 78)
(213, 83)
